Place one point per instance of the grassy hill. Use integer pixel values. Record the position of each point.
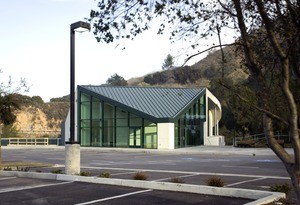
(201, 74)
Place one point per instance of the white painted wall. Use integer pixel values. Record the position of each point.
(210, 122)
(213, 116)
(165, 136)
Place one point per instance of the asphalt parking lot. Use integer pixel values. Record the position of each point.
(250, 169)
(15, 190)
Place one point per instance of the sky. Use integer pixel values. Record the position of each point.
(35, 46)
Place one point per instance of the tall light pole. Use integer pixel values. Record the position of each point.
(72, 148)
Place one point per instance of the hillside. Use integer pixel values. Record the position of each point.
(201, 74)
(38, 119)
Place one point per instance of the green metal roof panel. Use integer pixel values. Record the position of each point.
(154, 101)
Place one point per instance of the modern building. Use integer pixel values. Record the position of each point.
(145, 117)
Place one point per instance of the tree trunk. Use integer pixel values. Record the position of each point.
(1, 131)
(295, 177)
(288, 161)
(292, 163)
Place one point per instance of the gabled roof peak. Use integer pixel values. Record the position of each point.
(156, 102)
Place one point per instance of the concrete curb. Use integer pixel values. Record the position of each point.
(212, 150)
(260, 197)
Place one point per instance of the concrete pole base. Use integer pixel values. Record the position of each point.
(72, 159)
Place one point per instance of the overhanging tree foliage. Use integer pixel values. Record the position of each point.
(9, 102)
(268, 34)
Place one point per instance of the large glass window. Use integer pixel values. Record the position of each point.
(189, 127)
(108, 134)
(135, 121)
(85, 125)
(96, 122)
(202, 107)
(85, 107)
(104, 125)
(122, 134)
(150, 139)
(85, 136)
(122, 117)
(96, 108)
(122, 131)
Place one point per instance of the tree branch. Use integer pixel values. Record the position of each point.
(210, 48)
(274, 116)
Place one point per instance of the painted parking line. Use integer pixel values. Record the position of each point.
(166, 162)
(109, 163)
(5, 178)
(114, 197)
(58, 159)
(242, 167)
(186, 172)
(18, 156)
(31, 187)
(183, 176)
(246, 181)
(123, 173)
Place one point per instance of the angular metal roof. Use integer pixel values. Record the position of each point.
(158, 104)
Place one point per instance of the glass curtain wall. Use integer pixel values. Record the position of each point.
(135, 131)
(85, 117)
(90, 122)
(150, 138)
(96, 122)
(122, 130)
(104, 125)
(108, 127)
(189, 126)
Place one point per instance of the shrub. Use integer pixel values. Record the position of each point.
(105, 175)
(23, 169)
(56, 171)
(284, 188)
(85, 173)
(215, 181)
(177, 180)
(45, 136)
(140, 176)
(156, 78)
(7, 169)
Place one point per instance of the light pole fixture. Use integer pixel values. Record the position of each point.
(72, 148)
(79, 26)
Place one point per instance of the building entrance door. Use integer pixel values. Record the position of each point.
(135, 137)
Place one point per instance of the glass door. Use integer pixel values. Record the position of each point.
(135, 137)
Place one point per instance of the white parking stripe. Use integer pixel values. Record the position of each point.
(243, 167)
(185, 172)
(58, 159)
(184, 176)
(242, 182)
(123, 173)
(108, 163)
(7, 178)
(31, 187)
(114, 197)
